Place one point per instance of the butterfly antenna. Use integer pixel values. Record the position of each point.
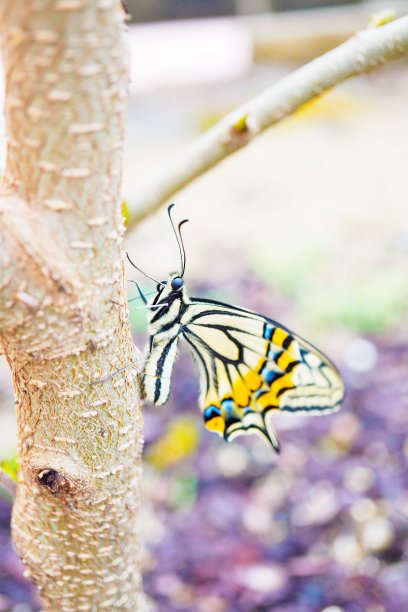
(184, 261)
(179, 239)
(144, 273)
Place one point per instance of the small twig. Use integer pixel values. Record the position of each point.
(363, 52)
(8, 485)
(102, 380)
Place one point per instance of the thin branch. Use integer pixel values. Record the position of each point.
(367, 50)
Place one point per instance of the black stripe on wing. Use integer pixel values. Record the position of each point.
(188, 332)
(160, 368)
(196, 345)
(227, 309)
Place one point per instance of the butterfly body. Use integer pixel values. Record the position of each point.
(249, 365)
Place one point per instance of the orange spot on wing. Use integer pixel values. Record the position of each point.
(216, 424)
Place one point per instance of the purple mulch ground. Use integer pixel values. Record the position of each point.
(234, 528)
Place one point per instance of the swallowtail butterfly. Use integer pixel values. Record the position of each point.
(250, 366)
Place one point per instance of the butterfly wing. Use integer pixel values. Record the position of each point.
(158, 369)
(250, 366)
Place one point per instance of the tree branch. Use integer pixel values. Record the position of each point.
(364, 52)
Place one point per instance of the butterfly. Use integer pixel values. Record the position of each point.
(250, 366)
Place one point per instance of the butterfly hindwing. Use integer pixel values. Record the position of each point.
(250, 365)
(158, 369)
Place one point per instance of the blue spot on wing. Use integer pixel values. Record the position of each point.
(270, 376)
(268, 331)
(228, 406)
(274, 356)
(211, 412)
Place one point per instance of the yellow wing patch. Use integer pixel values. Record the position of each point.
(252, 379)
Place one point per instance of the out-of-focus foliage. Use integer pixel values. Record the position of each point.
(10, 467)
(374, 305)
(125, 213)
(178, 441)
(369, 301)
(183, 492)
(332, 105)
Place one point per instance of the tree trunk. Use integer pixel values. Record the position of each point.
(63, 310)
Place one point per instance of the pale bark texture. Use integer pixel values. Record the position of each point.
(63, 314)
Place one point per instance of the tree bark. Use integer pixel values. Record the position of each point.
(63, 314)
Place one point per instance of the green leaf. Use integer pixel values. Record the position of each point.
(125, 213)
(183, 491)
(10, 467)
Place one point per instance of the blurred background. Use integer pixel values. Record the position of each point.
(307, 225)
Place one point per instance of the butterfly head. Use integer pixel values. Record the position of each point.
(172, 288)
(176, 282)
(166, 305)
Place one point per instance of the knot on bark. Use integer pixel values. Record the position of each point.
(56, 476)
(53, 481)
